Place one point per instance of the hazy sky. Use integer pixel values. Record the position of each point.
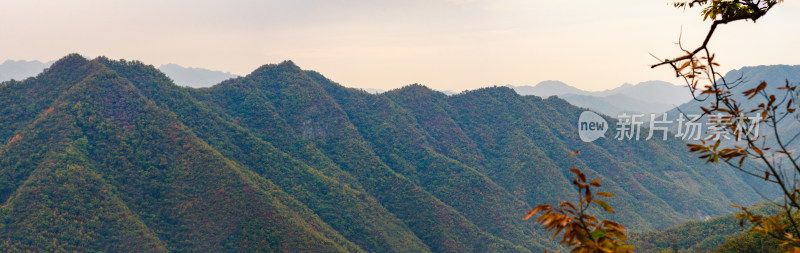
(444, 44)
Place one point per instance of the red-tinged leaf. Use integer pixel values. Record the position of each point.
(749, 92)
(588, 194)
(530, 214)
(570, 206)
(761, 86)
(596, 182)
(758, 151)
(536, 210)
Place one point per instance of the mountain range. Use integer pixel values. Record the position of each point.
(775, 76)
(651, 97)
(112, 155)
(183, 76)
(21, 69)
(194, 77)
(647, 97)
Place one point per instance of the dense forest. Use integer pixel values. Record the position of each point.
(720, 234)
(107, 155)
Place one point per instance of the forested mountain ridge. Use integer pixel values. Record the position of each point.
(105, 155)
(720, 234)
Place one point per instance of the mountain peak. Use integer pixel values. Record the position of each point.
(552, 83)
(69, 60)
(288, 63)
(495, 91)
(547, 89)
(284, 66)
(417, 90)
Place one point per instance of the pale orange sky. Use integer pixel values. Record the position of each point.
(444, 44)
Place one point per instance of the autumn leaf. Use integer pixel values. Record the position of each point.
(604, 205)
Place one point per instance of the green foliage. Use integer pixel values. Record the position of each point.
(731, 10)
(720, 234)
(162, 176)
(287, 160)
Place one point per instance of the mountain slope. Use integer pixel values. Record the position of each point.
(57, 193)
(186, 193)
(358, 216)
(104, 155)
(309, 114)
(387, 127)
(720, 234)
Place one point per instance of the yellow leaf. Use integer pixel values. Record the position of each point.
(605, 194)
(530, 214)
(604, 205)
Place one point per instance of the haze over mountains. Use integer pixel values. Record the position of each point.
(183, 76)
(113, 156)
(21, 69)
(194, 77)
(651, 97)
(746, 78)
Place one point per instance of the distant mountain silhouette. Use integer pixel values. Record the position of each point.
(195, 77)
(548, 88)
(653, 92)
(616, 104)
(183, 76)
(21, 69)
(750, 77)
(644, 97)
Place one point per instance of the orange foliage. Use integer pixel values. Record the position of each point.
(16, 138)
(48, 110)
